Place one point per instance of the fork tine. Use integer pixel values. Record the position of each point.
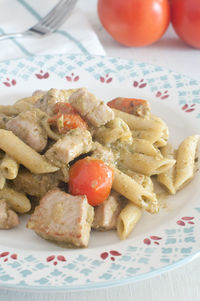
(62, 16)
(52, 13)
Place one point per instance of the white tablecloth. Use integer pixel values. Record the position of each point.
(183, 283)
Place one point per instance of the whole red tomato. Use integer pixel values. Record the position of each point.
(91, 177)
(186, 20)
(135, 22)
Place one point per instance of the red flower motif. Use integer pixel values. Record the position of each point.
(188, 108)
(72, 77)
(155, 239)
(42, 75)
(59, 258)
(139, 84)
(5, 256)
(185, 219)
(105, 79)
(9, 83)
(114, 253)
(162, 95)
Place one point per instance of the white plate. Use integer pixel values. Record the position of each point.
(159, 242)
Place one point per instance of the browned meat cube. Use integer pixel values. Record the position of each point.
(36, 185)
(27, 127)
(63, 218)
(8, 218)
(91, 108)
(100, 115)
(83, 101)
(106, 214)
(74, 143)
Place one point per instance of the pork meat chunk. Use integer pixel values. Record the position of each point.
(63, 218)
(74, 143)
(92, 109)
(83, 101)
(8, 218)
(106, 214)
(36, 185)
(28, 128)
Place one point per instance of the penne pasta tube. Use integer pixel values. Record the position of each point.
(151, 135)
(135, 192)
(9, 167)
(185, 161)
(2, 181)
(8, 110)
(24, 154)
(165, 127)
(145, 181)
(18, 201)
(144, 146)
(127, 220)
(166, 179)
(138, 123)
(144, 164)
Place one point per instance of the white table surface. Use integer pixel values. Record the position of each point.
(180, 284)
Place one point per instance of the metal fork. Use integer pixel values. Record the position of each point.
(53, 20)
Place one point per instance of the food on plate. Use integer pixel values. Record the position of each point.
(77, 164)
(185, 17)
(135, 22)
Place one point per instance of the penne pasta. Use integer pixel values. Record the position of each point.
(166, 179)
(185, 161)
(144, 164)
(18, 201)
(135, 192)
(9, 167)
(24, 154)
(127, 220)
(150, 135)
(144, 146)
(2, 181)
(139, 123)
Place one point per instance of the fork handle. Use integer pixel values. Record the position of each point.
(13, 35)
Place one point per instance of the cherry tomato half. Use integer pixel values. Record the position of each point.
(91, 177)
(186, 20)
(135, 22)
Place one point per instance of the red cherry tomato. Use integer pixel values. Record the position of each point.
(91, 177)
(135, 22)
(186, 20)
